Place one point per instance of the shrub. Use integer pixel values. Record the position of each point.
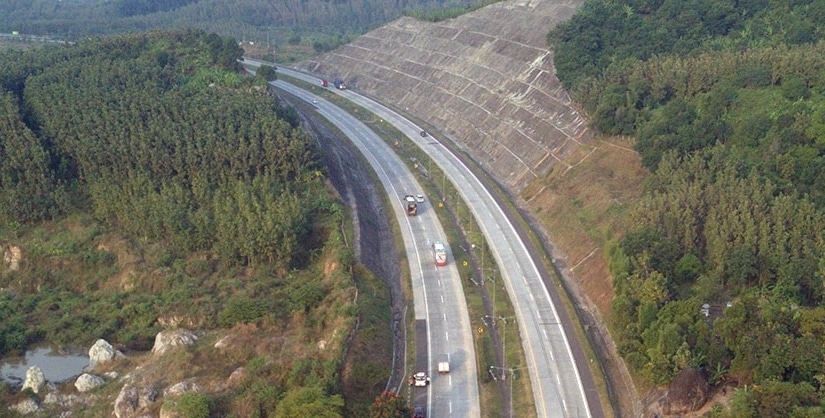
(193, 405)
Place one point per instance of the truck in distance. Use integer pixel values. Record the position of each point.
(443, 364)
(412, 207)
(440, 254)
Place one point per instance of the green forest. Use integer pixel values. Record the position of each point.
(722, 266)
(147, 177)
(297, 26)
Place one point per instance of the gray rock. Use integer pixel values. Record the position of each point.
(102, 352)
(87, 382)
(34, 379)
(126, 403)
(688, 391)
(147, 396)
(68, 400)
(237, 377)
(180, 388)
(26, 406)
(166, 340)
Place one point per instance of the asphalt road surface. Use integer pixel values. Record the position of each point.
(558, 387)
(438, 296)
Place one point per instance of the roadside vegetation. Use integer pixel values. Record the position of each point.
(147, 184)
(720, 265)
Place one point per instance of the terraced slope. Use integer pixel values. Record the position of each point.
(486, 79)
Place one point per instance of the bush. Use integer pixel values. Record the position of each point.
(193, 405)
(267, 73)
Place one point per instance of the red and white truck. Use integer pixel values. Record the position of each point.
(440, 254)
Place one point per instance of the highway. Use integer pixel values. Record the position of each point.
(556, 381)
(555, 377)
(439, 302)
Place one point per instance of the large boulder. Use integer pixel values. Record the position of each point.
(34, 379)
(237, 377)
(86, 382)
(126, 403)
(102, 352)
(167, 340)
(132, 399)
(688, 391)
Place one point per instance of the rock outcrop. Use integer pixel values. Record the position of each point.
(102, 352)
(34, 379)
(237, 377)
(180, 388)
(688, 392)
(86, 382)
(26, 406)
(167, 340)
(126, 403)
(131, 400)
(12, 255)
(68, 400)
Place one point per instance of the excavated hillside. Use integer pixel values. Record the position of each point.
(484, 79)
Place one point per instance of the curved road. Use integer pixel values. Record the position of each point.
(556, 381)
(439, 302)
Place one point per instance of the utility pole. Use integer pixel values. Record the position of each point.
(512, 376)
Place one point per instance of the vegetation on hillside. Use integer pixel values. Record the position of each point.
(146, 183)
(447, 12)
(725, 101)
(292, 29)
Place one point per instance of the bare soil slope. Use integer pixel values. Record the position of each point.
(485, 79)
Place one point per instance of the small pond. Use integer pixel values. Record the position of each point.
(57, 366)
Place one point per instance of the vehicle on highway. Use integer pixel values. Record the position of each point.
(420, 379)
(314, 101)
(412, 207)
(419, 412)
(443, 364)
(419, 198)
(440, 254)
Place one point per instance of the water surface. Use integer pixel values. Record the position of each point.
(56, 366)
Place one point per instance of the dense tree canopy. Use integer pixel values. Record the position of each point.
(273, 22)
(157, 148)
(723, 263)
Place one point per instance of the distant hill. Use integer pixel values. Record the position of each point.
(315, 22)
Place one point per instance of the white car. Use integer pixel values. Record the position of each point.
(419, 198)
(420, 379)
(314, 101)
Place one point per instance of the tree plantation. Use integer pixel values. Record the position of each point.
(722, 266)
(146, 181)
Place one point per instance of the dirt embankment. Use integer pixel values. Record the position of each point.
(374, 244)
